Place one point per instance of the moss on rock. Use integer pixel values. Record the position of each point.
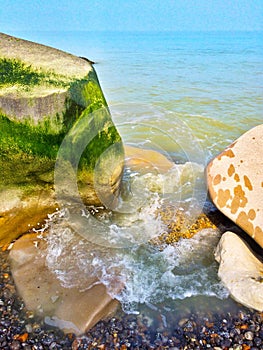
(15, 72)
(46, 96)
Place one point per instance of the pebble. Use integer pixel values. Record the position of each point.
(249, 335)
(258, 341)
(237, 347)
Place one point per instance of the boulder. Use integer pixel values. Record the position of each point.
(57, 139)
(69, 309)
(240, 271)
(235, 182)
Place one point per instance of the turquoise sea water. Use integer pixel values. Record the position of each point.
(213, 80)
(187, 95)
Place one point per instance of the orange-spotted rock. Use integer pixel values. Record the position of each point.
(235, 182)
(245, 280)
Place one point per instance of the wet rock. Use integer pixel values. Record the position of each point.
(240, 271)
(249, 335)
(15, 345)
(235, 184)
(57, 138)
(144, 160)
(179, 225)
(257, 341)
(71, 310)
(20, 212)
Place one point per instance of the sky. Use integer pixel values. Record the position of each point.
(130, 15)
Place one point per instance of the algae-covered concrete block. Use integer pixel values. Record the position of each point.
(57, 138)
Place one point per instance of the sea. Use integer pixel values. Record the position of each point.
(211, 81)
(187, 95)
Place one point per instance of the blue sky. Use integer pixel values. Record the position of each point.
(160, 15)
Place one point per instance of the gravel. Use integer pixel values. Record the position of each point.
(20, 329)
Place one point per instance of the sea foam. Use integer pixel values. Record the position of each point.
(117, 252)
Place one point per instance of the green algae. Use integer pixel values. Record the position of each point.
(98, 145)
(28, 150)
(16, 72)
(87, 92)
(95, 121)
(40, 140)
(18, 137)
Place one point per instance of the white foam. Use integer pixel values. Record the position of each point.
(117, 253)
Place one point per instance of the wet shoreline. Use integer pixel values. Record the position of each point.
(19, 329)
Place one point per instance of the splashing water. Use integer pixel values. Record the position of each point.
(114, 247)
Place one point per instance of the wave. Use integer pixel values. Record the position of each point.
(134, 270)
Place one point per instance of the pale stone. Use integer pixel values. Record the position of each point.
(66, 308)
(235, 182)
(240, 271)
(145, 160)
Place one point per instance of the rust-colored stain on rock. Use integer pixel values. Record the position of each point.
(217, 179)
(258, 234)
(236, 177)
(210, 178)
(248, 183)
(239, 199)
(228, 153)
(251, 214)
(231, 170)
(223, 197)
(232, 144)
(242, 221)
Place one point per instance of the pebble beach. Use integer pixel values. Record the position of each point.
(19, 329)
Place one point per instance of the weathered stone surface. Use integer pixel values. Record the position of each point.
(66, 308)
(43, 56)
(50, 73)
(240, 271)
(57, 139)
(235, 182)
(20, 213)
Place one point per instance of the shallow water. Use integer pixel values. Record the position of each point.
(117, 247)
(188, 96)
(136, 273)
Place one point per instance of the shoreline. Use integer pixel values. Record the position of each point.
(19, 329)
